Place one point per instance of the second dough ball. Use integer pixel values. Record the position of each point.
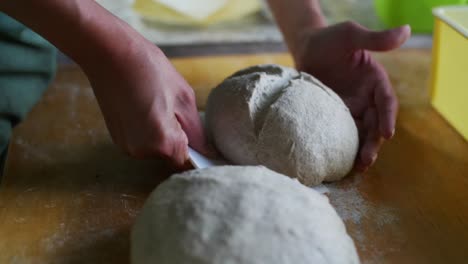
(241, 215)
(285, 120)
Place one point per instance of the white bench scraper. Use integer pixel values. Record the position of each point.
(199, 161)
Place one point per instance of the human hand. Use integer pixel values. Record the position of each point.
(339, 56)
(149, 109)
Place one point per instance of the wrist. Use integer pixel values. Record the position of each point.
(105, 39)
(311, 18)
(295, 18)
(300, 40)
(82, 29)
(114, 46)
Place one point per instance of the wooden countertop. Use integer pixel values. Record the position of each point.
(69, 196)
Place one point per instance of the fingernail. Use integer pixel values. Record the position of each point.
(374, 158)
(389, 135)
(407, 27)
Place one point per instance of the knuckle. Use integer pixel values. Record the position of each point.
(165, 144)
(348, 30)
(171, 151)
(158, 145)
(388, 97)
(186, 96)
(162, 149)
(161, 145)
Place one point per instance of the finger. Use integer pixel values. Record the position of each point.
(170, 144)
(362, 38)
(188, 166)
(191, 123)
(360, 126)
(179, 154)
(356, 105)
(387, 105)
(371, 143)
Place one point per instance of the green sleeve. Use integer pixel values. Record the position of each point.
(27, 66)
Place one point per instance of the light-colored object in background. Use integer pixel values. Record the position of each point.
(196, 9)
(123, 10)
(449, 81)
(266, 11)
(240, 215)
(200, 161)
(285, 120)
(177, 13)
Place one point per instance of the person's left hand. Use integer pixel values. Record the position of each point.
(339, 56)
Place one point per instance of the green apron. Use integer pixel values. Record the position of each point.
(27, 66)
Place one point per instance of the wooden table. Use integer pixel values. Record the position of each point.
(69, 196)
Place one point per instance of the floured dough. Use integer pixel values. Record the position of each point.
(283, 119)
(238, 215)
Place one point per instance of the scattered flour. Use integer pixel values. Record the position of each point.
(363, 218)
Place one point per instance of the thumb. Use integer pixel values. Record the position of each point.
(380, 40)
(179, 156)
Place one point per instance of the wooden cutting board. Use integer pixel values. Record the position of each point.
(69, 196)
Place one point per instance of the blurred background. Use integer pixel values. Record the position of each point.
(247, 24)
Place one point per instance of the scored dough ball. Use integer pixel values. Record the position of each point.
(241, 215)
(283, 119)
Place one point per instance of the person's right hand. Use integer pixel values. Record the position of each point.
(149, 109)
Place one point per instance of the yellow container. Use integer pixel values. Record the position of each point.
(449, 78)
(195, 12)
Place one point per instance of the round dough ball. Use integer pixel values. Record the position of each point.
(283, 119)
(239, 215)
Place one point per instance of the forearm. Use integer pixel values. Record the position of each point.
(80, 28)
(295, 16)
